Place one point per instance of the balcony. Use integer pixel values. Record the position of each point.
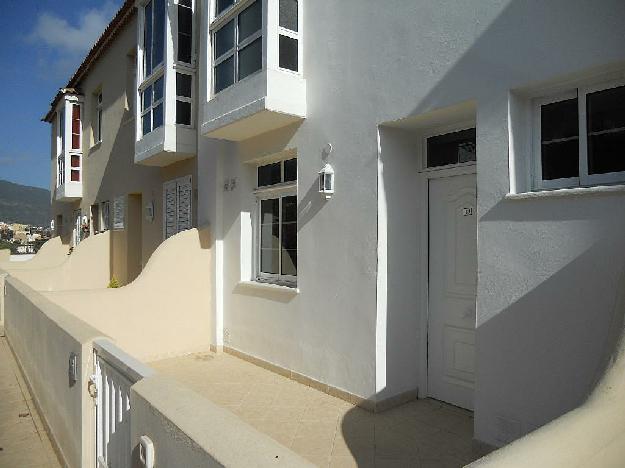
(68, 124)
(257, 80)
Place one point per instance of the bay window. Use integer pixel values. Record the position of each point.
(276, 233)
(185, 30)
(183, 98)
(580, 137)
(238, 46)
(288, 35)
(153, 36)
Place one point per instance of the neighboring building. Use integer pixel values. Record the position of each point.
(466, 241)
(96, 185)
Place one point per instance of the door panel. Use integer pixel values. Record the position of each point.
(452, 289)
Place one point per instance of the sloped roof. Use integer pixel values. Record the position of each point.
(121, 18)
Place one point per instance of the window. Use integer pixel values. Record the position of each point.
(153, 36)
(288, 39)
(61, 131)
(76, 128)
(60, 160)
(238, 47)
(183, 98)
(185, 30)
(97, 134)
(105, 209)
(152, 106)
(95, 218)
(177, 204)
(580, 138)
(451, 148)
(223, 5)
(276, 236)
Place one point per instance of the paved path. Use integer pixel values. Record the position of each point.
(327, 431)
(24, 442)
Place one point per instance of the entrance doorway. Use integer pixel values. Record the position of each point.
(452, 279)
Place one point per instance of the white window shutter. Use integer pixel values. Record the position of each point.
(184, 195)
(169, 209)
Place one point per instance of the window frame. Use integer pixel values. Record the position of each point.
(184, 98)
(158, 68)
(445, 130)
(191, 63)
(271, 192)
(147, 84)
(232, 14)
(584, 179)
(297, 35)
(99, 115)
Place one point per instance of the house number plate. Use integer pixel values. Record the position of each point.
(467, 211)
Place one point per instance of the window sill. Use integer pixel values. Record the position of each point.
(95, 146)
(569, 192)
(270, 288)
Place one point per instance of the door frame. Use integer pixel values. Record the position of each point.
(423, 181)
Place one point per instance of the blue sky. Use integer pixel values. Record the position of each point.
(42, 42)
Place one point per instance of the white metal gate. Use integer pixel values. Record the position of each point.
(115, 372)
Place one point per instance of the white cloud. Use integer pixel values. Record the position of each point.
(57, 32)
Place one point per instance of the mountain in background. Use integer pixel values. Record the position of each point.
(24, 204)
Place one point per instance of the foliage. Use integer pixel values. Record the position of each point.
(114, 283)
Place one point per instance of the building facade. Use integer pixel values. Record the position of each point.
(465, 240)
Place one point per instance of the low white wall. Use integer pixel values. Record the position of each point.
(165, 311)
(188, 430)
(5, 255)
(43, 336)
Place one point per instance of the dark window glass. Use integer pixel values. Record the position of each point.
(158, 116)
(288, 53)
(270, 236)
(146, 98)
(183, 113)
(184, 48)
(250, 20)
(223, 4)
(75, 160)
(269, 174)
(451, 148)
(147, 41)
(75, 175)
(269, 211)
(289, 209)
(288, 14)
(290, 170)
(251, 58)
(183, 85)
(158, 89)
(559, 140)
(185, 33)
(186, 3)
(289, 262)
(159, 33)
(224, 74)
(224, 39)
(606, 130)
(269, 232)
(146, 123)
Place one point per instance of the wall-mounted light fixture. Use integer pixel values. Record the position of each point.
(326, 174)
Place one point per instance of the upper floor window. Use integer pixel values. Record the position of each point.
(451, 148)
(152, 106)
(579, 137)
(276, 238)
(97, 134)
(185, 30)
(223, 5)
(153, 36)
(288, 35)
(183, 98)
(76, 127)
(61, 132)
(238, 46)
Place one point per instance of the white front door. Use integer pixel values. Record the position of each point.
(452, 289)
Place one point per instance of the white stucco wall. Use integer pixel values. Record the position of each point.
(547, 266)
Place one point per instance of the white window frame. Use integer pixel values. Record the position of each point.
(99, 115)
(184, 98)
(272, 192)
(146, 84)
(193, 33)
(440, 131)
(158, 68)
(584, 179)
(229, 14)
(293, 35)
(60, 157)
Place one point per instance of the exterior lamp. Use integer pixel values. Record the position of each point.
(326, 181)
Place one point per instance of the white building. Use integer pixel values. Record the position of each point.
(470, 247)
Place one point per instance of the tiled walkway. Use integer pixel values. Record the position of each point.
(324, 429)
(24, 442)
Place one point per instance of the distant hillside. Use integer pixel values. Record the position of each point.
(24, 204)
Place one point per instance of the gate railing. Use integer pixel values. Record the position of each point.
(115, 372)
